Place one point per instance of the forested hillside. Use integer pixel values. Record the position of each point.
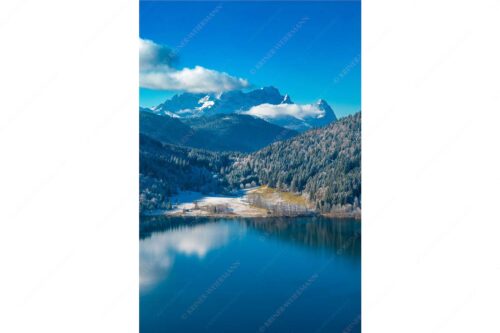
(323, 164)
(166, 169)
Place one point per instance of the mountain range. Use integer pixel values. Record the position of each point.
(216, 143)
(266, 103)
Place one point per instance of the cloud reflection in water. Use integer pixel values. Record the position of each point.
(158, 252)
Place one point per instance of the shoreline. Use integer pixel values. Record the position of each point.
(193, 204)
(356, 217)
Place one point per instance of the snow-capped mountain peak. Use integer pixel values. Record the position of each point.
(266, 103)
(286, 100)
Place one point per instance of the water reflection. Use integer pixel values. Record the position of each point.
(158, 252)
(340, 236)
(182, 259)
(337, 235)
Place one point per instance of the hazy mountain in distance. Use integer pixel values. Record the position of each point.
(220, 132)
(168, 130)
(237, 132)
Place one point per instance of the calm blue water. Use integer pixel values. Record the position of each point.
(241, 275)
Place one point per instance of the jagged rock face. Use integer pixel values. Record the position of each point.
(180, 102)
(325, 118)
(266, 103)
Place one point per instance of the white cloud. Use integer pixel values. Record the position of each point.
(152, 55)
(299, 111)
(156, 72)
(198, 80)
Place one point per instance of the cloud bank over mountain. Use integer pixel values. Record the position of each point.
(298, 117)
(156, 72)
(300, 111)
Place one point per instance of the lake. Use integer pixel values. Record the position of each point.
(250, 275)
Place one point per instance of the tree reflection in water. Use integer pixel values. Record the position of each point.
(342, 236)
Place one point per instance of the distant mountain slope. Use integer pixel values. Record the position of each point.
(167, 129)
(237, 132)
(266, 103)
(324, 164)
(222, 132)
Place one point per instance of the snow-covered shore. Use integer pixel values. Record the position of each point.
(245, 203)
(196, 204)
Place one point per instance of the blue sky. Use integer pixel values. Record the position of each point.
(309, 50)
